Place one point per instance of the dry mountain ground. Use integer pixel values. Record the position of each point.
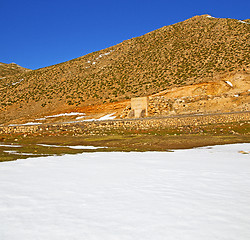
(10, 69)
(195, 51)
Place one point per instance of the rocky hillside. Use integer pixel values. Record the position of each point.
(189, 52)
(11, 69)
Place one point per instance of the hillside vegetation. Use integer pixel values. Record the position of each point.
(188, 52)
(11, 69)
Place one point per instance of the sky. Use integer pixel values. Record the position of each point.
(36, 34)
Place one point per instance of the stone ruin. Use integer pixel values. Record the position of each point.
(139, 107)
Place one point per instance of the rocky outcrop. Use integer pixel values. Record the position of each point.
(229, 93)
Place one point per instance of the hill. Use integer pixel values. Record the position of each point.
(11, 69)
(190, 52)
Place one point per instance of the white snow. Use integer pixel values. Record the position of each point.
(31, 123)
(84, 147)
(62, 114)
(104, 54)
(10, 151)
(17, 82)
(193, 194)
(25, 124)
(80, 118)
(107, 117)
(229, 83)
(88, 120)
(10, 145)
(100, 56)
(20, 153)
(243, 22)
(73, 147)
(209, 16)
(48, 145)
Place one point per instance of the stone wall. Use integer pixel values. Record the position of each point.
(136, 124)
(162, 106)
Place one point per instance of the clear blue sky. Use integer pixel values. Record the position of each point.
(39, 33)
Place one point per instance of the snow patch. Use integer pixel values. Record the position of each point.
(243, 22)
(209, 16)
(61, 114)
(8, 145)
(17, 82)
(80, 118)
(25, 124)
(10, 152)
(72, 147)
(104, 54)
(49, 145)
(23, 154)
(100, 56)
(84, 147)
(229, 83)
(31, 123)
(106, 117)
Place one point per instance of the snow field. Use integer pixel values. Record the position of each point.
(201, 193)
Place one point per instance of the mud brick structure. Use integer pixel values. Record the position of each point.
(139, 107)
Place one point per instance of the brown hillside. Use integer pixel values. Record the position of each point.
(11, 69)
(189, 52)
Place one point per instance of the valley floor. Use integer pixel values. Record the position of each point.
(56, 139)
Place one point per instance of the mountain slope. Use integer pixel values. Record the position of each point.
(11, 69)
(188, 52)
